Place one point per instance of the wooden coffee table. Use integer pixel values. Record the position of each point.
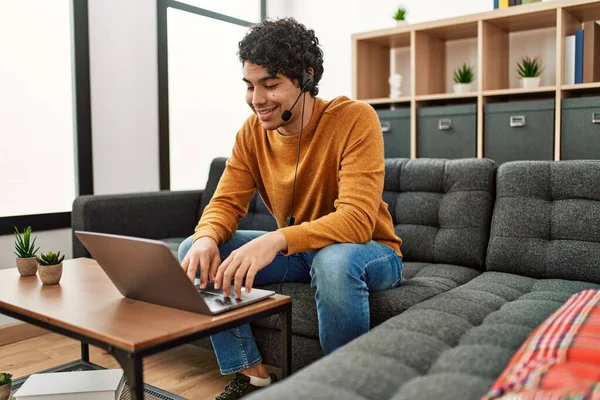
(87, 307)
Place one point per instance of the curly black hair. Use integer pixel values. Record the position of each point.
(285, 46)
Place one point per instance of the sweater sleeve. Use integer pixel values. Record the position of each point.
(230, 201)
(360, 186)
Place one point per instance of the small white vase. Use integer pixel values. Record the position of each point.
(463, 87)
(401, 22)
(395, 81)
(530, 83)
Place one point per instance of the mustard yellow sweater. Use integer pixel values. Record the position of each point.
(339, 186)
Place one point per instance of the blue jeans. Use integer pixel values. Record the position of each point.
(342, 275)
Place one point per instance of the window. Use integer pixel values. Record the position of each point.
(206, 95)
(37, 152)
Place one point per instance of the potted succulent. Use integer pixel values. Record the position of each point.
(24, 250)
(50, 267)
(5, 385)
(463, 79)
(400, 16)
(529, 70)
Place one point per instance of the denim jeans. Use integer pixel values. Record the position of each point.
(342, 275)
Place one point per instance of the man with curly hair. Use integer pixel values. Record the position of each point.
(337, 233)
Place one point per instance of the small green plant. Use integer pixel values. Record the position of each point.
(529, 67)
(400, 14)
(50, 258)
(5, 378)
(24, 248)
(463, 74)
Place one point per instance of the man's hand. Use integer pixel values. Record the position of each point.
(203, 254)
(246, 261)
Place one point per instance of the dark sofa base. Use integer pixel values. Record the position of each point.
(452, 346)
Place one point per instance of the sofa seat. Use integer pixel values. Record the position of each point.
(451, 346)
(420, 282)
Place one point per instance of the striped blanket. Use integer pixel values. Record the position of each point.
(560, 359)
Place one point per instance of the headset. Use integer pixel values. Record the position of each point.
(306, 85)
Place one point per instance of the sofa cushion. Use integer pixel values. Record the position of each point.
(546, 220)
(442, 209)
(258, 217)
(560, 358)
(452, 346)
(420, 281)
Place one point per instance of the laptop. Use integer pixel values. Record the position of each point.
(147, 270)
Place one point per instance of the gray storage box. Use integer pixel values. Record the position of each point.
(447, 131)
(580, 130)
(519, 130)
(395, 126)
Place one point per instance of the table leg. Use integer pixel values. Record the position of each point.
(85, 352)
(286, 342)
(134, 372)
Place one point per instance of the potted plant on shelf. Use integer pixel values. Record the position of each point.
(5, 385)
(529, 70)
(24, 250)
(463, 79)
(400, 16)
(50, 267)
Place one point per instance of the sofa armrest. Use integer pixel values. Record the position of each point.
(152, 215)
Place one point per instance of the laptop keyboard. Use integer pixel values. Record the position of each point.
(217, 299)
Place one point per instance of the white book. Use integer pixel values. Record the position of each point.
(569, 60)
(104, 384)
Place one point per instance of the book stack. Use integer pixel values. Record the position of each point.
(580, 48)
(510, 3)
(106, 384)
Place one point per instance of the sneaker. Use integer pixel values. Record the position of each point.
(240, 386)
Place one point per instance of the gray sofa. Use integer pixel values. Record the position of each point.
(489, 253)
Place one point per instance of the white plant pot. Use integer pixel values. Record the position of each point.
(401, 22)
(463, 87)
(530, 83)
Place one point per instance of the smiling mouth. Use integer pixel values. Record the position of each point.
(266, 110)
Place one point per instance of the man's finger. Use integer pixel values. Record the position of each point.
(239, 278)
(220, 270)
(250, 275)
(214, 266)
(228, 276)
(185, 263)
(204, 266)
(191, 268)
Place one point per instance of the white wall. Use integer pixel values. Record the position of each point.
(124, 86)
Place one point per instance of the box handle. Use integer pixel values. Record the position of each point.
(596, 118)
(517, 121)
(386, 126)
(444, 124)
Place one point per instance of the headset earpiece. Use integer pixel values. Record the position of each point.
(308, 82)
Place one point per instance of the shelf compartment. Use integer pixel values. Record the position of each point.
(504, 44)
(573, 19)
(438, 52)
(373, 64)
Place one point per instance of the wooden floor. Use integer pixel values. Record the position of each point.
(188, 371)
